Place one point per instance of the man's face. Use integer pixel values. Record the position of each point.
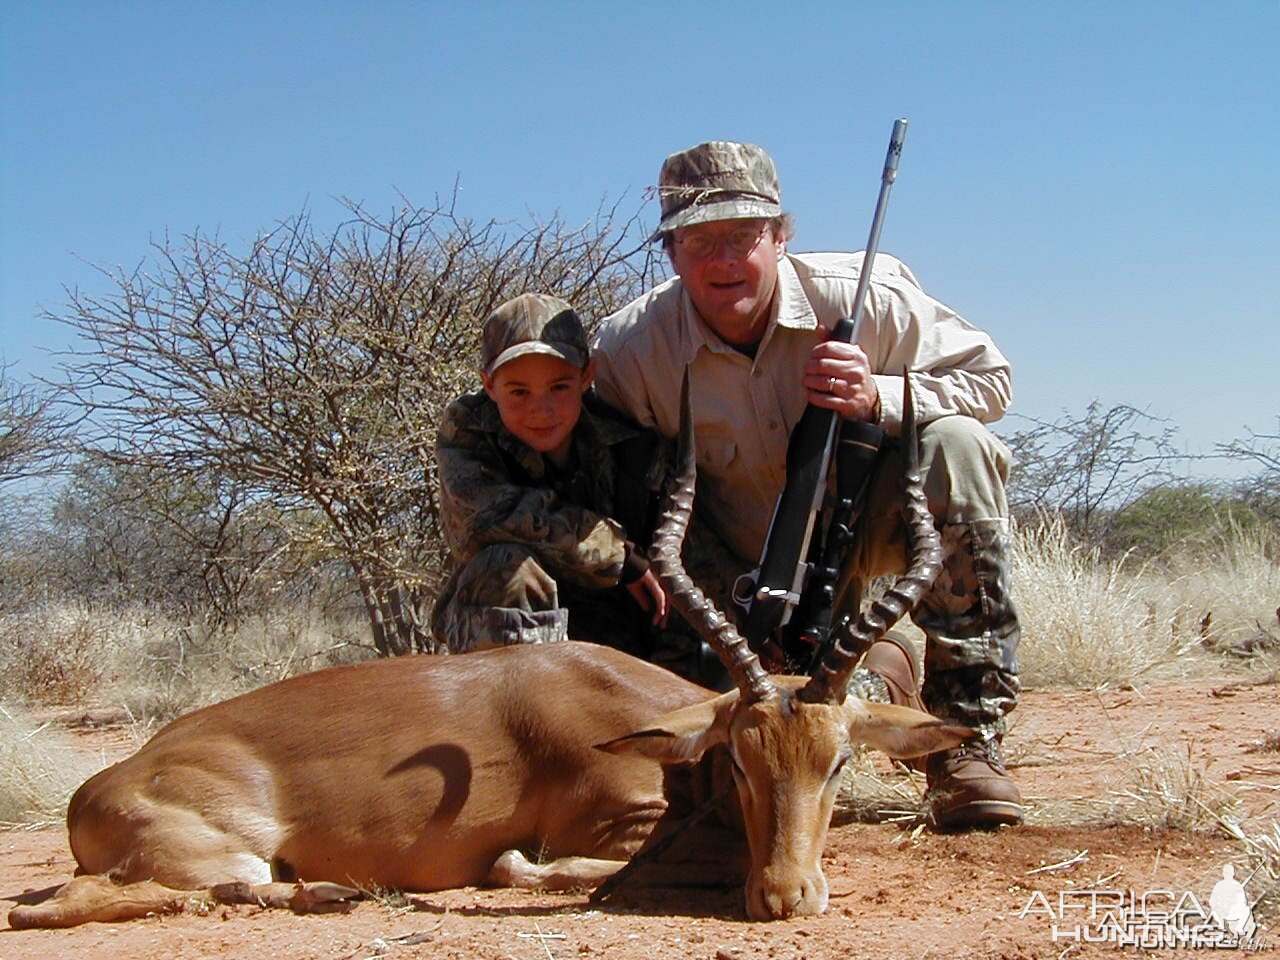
(539, 398)
(730, 269)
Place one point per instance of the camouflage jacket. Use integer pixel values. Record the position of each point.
(583, 523)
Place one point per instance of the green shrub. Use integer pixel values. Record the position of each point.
(1191, 518)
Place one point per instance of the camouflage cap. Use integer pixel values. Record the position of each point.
(717, 180)
(534, 323)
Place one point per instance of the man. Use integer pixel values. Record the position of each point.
(750, 320)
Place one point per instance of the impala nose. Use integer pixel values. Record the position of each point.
(782, 897)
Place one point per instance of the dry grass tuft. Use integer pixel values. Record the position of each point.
(869, 794)
(153, 667)
(37, 774)
(1171, 792)
(1088, 622)
(55, 654)
(389, 898)
(1229, 599)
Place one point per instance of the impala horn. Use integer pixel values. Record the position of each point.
(712, 625)
(829, 680)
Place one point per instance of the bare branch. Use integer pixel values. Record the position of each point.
(1261, 448)
(1089, 467)
(32, 433)
(310, 371)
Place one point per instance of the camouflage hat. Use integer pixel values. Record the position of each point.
(718, 180)
(534, 323)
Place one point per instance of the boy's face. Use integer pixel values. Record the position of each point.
(539, 398)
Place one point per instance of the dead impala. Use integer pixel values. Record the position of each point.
(425, 773)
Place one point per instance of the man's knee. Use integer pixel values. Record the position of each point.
(965, 468)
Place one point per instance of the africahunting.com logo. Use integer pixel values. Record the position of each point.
(1152, 919)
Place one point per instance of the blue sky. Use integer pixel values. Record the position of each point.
(1093, 183)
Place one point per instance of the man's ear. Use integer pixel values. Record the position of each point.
(588, 374)
(681, 736)
(486, 381)
(780, 242)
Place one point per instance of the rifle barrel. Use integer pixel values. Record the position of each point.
(887, 177)
(784, 562)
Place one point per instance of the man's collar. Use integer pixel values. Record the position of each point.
(794, 309)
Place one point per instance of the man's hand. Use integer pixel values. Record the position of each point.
(648, 593)
(837, 376)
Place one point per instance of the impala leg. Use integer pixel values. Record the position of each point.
(712, 859)
(514, 869)
(95, 898)
(299, 897)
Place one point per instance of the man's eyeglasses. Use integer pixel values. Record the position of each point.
(740, 241)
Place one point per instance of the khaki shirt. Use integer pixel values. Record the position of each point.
(744, 408)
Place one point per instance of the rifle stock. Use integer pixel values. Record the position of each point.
(786, 561)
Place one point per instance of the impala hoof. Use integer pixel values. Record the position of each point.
(323, 898)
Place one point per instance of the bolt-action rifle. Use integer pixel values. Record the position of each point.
(801, 559)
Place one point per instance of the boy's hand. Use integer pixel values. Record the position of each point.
(648, 593)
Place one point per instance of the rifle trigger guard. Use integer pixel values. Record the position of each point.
(744, 588)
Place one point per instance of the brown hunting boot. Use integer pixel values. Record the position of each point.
(969, 788)
(893, 660)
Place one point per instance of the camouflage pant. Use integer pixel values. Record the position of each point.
(968, 618)
(503, 596)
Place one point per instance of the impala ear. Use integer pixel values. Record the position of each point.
(681, 736)
(900, 731)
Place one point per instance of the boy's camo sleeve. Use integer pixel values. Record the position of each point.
(481, 505)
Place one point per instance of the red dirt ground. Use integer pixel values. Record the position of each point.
(896, 892)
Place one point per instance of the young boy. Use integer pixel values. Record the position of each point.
(544, 493)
